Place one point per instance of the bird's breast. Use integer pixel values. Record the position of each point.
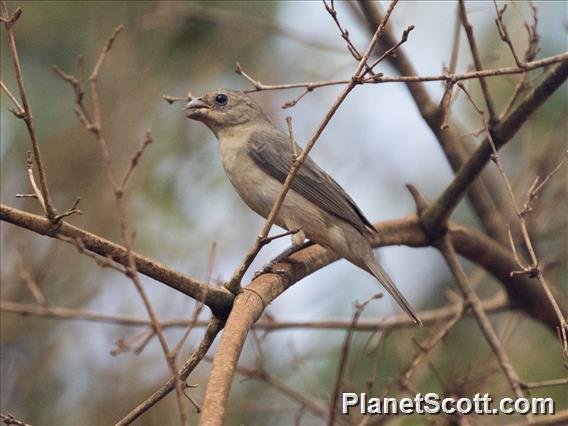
(258, 190)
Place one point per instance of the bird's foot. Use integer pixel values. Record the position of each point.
(283, 257)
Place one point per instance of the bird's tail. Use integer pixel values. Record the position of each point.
(379, 273)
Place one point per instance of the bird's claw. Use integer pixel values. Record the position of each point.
(283, 257)
(269, 268)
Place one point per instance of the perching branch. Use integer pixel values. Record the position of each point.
(473, 245)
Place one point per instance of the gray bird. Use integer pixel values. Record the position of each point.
(257, 157)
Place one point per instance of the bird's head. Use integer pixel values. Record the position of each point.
(224, 108)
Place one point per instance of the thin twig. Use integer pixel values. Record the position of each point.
(344, 33)
(546, 383)
(95, 127)
(29, 168)
(530, 54)
(31, 283)
(69, 212)
(9, 419)
(504, 34)
(477, 61)
(135, 158)
(495, 72)
(447, 249)
(426, 346)
(18, 110)
(172, 99)
(268, 240)
(9, 21)
(446, 101)
(393, 49)
(536, 186)
(213, 328)
(491, 305)
(534, 269)
(359, 308)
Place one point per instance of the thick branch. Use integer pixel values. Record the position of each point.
(251, 303)
(435, 216)
(526, 294)
(218, 300)
(487, 204)
(473, 245)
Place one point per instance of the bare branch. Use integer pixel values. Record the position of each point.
(344, 33)
(9, 21)
(441, 209)
(392, 50)
(9, 419)
(471, 244)
(504, 34)
(359, 308)
(379, 78)
(536, 187)
(495, 304)
(18, 111)
(135, 158)
(213, 328)
(545, 383)
(426, 346)
(70, 212)
(447, 249)
(37, 193)
(477, 61)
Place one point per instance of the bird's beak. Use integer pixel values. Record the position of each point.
(197, 109)
(196, 104)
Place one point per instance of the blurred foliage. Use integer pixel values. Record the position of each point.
(55, 372)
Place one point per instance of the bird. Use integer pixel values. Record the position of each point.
(257, 157)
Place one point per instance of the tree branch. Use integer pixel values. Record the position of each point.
(496, 304)
(213, 328)
(441, 209)
(9, 21)
(471, 244)
(487, 204)
(218, 299)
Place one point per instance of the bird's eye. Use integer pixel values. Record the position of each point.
(221, 99)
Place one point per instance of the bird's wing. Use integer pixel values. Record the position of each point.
(272, 151)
